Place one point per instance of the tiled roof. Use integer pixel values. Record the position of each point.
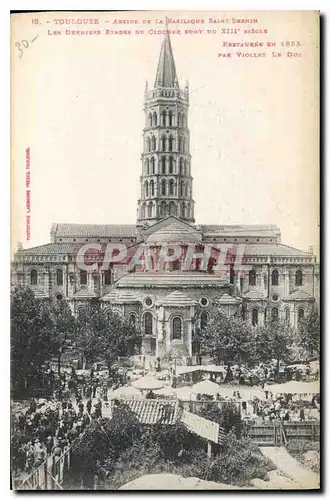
(85, 293)
(51, 249)
(248, 230)
(299, 294)
(277, 250)
(95, 230)
(39, 294)
(177, 298)
(226, 299)
(254, 294)
(202, 426)
(170, 279)
(175, 232)
(154, 411)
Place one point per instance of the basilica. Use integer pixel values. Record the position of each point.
(173, 303)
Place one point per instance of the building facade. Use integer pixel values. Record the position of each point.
(260, 278)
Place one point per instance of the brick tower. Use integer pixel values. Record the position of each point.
(166, 182)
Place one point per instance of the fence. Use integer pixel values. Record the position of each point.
(280, 433)
(51, 474)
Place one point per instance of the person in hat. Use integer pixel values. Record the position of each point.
(89, 406)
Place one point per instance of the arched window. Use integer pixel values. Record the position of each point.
(179, 119)
(143, 211)
(185, 168)
(150, 120)
(274, 314)
(181, 166)
(146, 190)
(149, 144)
(265, 281)
(299, 278)
(287, 314)
(163, 143)
(177, 328)
(204, 319)
(152, 165)
(163, 209)
(83, 277)
(254, 317)
(132, 319)
(163, 162)
(184, 145)
(183, 210)
(170, 118)
(147, 166)
(34, 277)
(171, 187)
(163, 118)
(186, 190)
(231, 274)
(301, 314)
(171, 166)
(150, 210)
(154, 119)
(183, 120)
(163, 187)
(153, 143)
(170, 143)
(181, 188)
(180, 144)
(59, 277)
(107, 277)
(172, 208)
(148, 323)
(252, 278)
(275, 278)
(152, 187)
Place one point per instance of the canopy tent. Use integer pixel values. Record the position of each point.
(213, 369)
(166, 391)
(125, 391)
(182, 370)
(147, 383)
(206, 387)
(294, 387)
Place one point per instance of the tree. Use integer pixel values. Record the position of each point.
(273, 341)
(62, 325)
(228, 339)
(105, 336)
(30, 339)
(309, 333)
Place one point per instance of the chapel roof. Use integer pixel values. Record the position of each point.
(175, 232)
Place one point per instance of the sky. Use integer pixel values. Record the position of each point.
(77, 103)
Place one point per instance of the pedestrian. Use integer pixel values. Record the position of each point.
(94, 389)
(302, 415)
(49, 445)
(81, 407)
(89, 406)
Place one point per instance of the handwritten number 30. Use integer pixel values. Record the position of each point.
(19, 45)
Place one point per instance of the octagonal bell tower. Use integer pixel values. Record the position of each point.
(166, 182)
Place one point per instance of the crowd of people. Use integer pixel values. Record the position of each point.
(283, 408)
(48, 427)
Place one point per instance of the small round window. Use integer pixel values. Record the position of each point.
(204, 301)
(148, 302)
(275, 297)
(59, 296)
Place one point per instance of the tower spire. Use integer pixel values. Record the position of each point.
(166, 72)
